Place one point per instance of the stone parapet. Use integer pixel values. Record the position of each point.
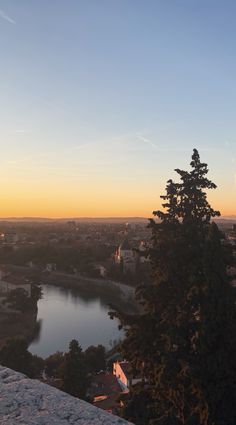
(25, 401)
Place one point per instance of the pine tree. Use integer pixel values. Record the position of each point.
(169, 340)
(216, 345)
(73, 371)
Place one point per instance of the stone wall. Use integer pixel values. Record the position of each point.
(30, 402)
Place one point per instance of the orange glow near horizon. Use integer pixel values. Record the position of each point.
(92, 204)
(26, 194)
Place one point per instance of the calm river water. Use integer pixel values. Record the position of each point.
(66, 314)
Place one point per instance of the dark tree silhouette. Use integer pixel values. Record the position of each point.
(95, 358)
(187, 328)
(53, 363)
(15, 355)
(73, 371)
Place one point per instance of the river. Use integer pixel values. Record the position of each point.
(65, 314)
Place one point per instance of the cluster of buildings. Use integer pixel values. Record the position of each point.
(231, 236)
(130, 258)
(116, 250)
(109, 389)
(9, 237)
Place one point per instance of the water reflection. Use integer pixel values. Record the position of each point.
(65, 314)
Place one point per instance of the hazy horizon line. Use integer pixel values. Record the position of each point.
(125, 217)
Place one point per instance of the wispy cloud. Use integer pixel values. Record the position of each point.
(176, 148)
(6, 17)
(146, 140)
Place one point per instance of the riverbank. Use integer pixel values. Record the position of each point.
(67, 314)
(117, 295)
(17, 325)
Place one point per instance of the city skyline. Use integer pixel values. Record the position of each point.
(101, 101)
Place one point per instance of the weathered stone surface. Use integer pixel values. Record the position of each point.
(29, 402)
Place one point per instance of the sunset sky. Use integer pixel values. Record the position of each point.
(101, 99)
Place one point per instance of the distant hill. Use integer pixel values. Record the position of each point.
(223, 220)
(226, 218)
(26, 219)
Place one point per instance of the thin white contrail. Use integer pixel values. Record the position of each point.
(145, 140)
(7, 18)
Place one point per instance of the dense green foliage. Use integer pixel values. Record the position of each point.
(65, 256)
(18, 300)
(15, 355)
(184, 342)
(53, 364)
(93, 361)
(73, 371)
(95, 358)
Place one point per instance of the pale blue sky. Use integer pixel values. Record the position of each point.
(116, 93)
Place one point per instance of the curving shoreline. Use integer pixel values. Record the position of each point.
(116, 294)
(17, 325)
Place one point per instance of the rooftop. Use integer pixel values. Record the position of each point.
(105, 384)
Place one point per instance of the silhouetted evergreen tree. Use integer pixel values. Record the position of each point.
(95, 358)
(216, 343)
(73, 371)
(53, 364)
(174, 340)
